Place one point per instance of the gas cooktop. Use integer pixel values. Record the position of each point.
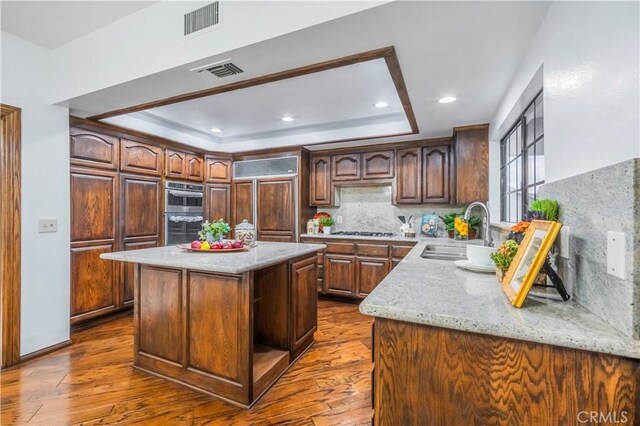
(364, 233)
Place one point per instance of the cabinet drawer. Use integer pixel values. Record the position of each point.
(342, 248)
(374, 250)
(400, 251)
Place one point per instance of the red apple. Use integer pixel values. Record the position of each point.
(217, 246)
(196, 245)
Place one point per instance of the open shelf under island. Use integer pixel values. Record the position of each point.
(228, 324)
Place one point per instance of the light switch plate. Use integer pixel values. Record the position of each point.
(616, 254)
(47, 225)
(338, 219)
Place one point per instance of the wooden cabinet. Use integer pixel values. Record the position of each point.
(92, 149)
(304, 299)
(275, 209)
(378, 165)
(471, 147)
(93, 205)
(195, 170)
(217, 170)
(242, 202)
(128, 268)
(218, 202)
(140, 207)
(345, 167)
(340, 274)
(409, 176)
(94, 289)
(175, 164)
(137, 157)
(435, 178)
(321, 189)
(370, 273)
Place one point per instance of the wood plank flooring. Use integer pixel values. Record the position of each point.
(93, 382)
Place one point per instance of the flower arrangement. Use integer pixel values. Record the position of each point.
(504, 255)
(517, 231)
(461, 227)
(214, 231)
(449, 221)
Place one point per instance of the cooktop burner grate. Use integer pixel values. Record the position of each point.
(364, 233)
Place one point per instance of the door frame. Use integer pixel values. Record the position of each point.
(10, 184)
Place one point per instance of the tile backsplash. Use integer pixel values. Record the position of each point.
(369, 208)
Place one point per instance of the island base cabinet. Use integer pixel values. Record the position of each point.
(429, 375)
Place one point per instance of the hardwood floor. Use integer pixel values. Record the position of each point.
(93, 382)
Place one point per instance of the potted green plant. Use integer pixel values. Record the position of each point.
(503, 257)
(326, 223)
(215, 231)
(449, 222)
(544, 210)
(475, 222)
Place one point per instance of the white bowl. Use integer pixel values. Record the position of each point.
(480, 255)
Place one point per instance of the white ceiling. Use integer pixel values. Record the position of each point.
(51, 24)
(465, 49)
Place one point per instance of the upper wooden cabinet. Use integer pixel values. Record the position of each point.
(195, 166)
(182, 165)
(91, 149)
(378, 165)
(435, 166)
(217, 170)
(408, 176)
(345, 167)
(140, 206)
(136, 157)
(93, 205)
(320, 191)
(218, 202)
(275, 209)
(472, 164)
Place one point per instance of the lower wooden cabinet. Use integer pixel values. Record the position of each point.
(340, 274)
(304, 302)
(128, 268)
(370, 273)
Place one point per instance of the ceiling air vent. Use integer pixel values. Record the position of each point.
(206, 17)
(219, 70)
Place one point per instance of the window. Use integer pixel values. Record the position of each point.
(522, 164)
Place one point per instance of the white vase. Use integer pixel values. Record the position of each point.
(326, 230)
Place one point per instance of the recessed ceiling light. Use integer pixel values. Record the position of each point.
(446, 100)
(216, 130)
(381, 104)
(287, 118)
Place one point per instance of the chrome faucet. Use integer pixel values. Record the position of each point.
(488, 241)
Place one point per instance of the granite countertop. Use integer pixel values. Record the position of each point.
(437, 293)
(263, 255)
(394, 238)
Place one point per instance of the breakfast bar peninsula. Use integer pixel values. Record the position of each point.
(228, 324)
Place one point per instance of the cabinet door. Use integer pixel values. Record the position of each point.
(377, 165)
(435, 166)
(472, 165)
(408, 176)
(194, 168)
(175, 164)
(340, 275)
(128, 268)
(217, 170)
(320, 190)
(218, 202)
(136, 157)
(93, 205)
(370, 273)
(345, 167)
(92, 149)
(93, 282)
(304, 301)
(277, 237)
(242, 205)
(275, 209)
(140, 206)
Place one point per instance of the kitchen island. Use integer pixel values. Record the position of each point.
(227, 324)
(448, 348)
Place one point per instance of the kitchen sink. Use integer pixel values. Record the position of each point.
(444, 252)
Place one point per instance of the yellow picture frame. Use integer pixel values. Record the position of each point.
(529, 260)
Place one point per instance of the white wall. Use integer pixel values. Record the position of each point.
(45, 193)
(589, 53)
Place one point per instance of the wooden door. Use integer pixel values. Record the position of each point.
(304, 300)
(378, 165)
(345, 167)
(275, 209)
(93, 149)
(340, 274)
(320, 188)
(217, 170)
(242, 202)
(136, 157)
(435, 166)
(128, 269)
(408, 176)
(218, 202)
(140, 207)
(175, 164)
(195, 168)
(370, 273)
(472, 165)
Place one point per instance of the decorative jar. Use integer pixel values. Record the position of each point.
(246, 232)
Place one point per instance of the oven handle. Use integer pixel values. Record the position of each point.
(185, 218)
(187, 194)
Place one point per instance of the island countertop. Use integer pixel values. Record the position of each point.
(437, 293)
(262, 255)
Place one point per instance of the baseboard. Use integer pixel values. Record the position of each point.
(45, 351)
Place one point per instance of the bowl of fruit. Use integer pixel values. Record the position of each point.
(223, 246)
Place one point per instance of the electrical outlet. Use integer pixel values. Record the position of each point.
(47, 225)
(565, 250)
(616, 254)
(338, 219)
